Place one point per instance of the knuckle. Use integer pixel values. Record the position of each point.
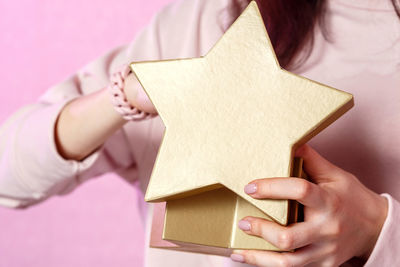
(333, 249)
(303, 189)
(285, 240)
(335, 204)
(336, 229)
(249, 256)
(284, 262)
(329, 263)
(256, 227)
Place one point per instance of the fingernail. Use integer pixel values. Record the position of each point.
(237, 257)
(250, 188)
(244, 225)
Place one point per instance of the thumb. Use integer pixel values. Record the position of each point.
(136, 95)
(316, 166)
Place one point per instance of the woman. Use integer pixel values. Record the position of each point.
(350, 45)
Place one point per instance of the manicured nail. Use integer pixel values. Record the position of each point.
(244, 225)
(237, 257)
(250, 188)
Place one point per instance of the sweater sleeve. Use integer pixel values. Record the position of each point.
(31, 169)
(387, 248)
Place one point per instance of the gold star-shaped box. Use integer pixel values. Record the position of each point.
(231, 116)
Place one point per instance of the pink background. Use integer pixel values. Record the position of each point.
(41, 43)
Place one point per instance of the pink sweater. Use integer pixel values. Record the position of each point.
(362, 57)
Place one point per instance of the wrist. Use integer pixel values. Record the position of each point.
(84, 124)
(130, 109)
(113, 117)
(375, 224)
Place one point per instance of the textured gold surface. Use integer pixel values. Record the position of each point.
(241, 240)
(210, 219)
(204, 219)
(233, 116)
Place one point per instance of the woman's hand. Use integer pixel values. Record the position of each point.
(85, 123)
(136, 95)
(342, 218)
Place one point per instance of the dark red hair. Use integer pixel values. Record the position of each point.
(290, 25)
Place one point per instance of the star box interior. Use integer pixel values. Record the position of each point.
(231, 116)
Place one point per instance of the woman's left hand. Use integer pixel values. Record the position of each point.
(342, 218)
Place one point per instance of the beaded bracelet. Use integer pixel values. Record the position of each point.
(119, 100)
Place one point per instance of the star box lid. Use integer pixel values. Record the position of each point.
(233, 115)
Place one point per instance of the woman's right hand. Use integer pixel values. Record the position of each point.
(86, 122)
(136, 95)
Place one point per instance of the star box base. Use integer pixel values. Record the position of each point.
(207, 222)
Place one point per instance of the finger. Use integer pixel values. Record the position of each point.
(299, 189)
(285, 238)
(136, 94)
(300, 257)
(262, 258)
(316, 166)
